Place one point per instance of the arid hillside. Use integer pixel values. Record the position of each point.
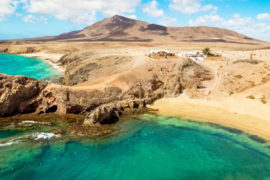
(119, 28)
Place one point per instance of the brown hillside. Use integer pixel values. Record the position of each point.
(119, 28)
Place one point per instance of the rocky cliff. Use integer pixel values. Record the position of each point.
(19, 94)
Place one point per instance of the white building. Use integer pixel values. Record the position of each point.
(193, 55)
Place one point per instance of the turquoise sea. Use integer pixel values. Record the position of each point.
(32, 67)
(146, 147)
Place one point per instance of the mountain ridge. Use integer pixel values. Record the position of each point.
(120, 28)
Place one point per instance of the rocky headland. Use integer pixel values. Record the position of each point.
(101, 102)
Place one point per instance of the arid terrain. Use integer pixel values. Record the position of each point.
(108, 72)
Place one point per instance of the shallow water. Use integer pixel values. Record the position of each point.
(9, 133)
(146, 147)
(31, 67)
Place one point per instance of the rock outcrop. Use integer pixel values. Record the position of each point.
(72, 101)
(19, 50)
(110, 113)
(187, 75)
(19, 94)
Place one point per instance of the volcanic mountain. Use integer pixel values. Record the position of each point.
(119, 28)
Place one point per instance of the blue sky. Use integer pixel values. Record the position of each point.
(32, 18)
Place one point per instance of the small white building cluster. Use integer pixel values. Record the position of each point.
(193, 55)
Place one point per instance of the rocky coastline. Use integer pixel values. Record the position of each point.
(24, 95)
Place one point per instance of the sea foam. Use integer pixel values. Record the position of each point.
(45, 136)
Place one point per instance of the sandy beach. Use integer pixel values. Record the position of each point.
(239, 113)
(52, 59)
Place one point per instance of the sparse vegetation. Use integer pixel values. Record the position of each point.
(239, 76)
(206, 51)
(264, 80)
(250, 97)
(263, 99)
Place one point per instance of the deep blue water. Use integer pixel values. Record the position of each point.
(31, 67)
(148, 147)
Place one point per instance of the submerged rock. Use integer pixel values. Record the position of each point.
(96, 130)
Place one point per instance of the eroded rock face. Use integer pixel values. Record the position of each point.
(70, 101)
(187, 75)
(19, 94)
(86, 66)
(110, 113)
(19, 50)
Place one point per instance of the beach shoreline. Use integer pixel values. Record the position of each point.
(52, 59)
(206, 111)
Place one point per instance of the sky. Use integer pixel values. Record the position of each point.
(34, 18)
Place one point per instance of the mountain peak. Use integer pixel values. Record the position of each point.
(121, 20)
(119, 17)
(120, 28)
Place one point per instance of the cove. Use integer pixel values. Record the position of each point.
(31, 67)
(145, 147)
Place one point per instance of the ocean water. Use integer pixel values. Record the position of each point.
(145, 147)
(31, 67)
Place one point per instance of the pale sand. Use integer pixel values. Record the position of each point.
(50, 58)
(244, 114)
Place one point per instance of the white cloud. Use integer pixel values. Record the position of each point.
(32, 19)
(263, 16)
(244, 25)
(191, 6)
(206, 20)
(151, 9)
(167, 21)
(80, 11)
(132, 16)
(7, 7)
